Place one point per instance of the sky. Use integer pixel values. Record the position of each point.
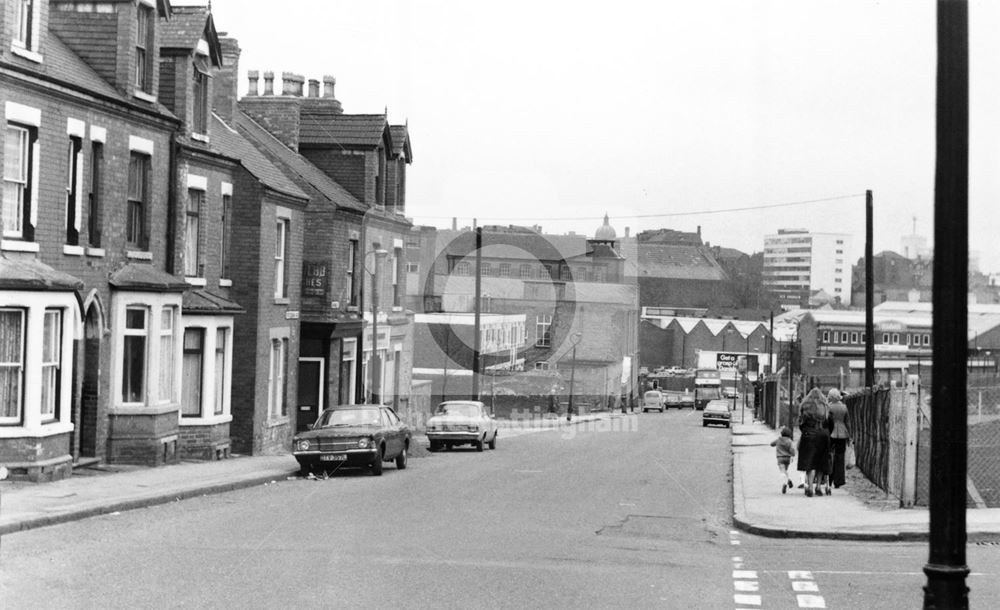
(661, 114)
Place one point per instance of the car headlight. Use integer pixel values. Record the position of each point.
(363, 443)
(302, 445)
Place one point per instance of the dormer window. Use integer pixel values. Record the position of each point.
(144, 49)
(23, 22)
(199, 121)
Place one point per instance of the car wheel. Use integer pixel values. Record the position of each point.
(493, 441)
(448, 446)
(435, 446)
(401, 458)
(479, 443)
(304, 470)
(377, 464)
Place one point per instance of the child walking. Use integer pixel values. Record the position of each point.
(784, 449)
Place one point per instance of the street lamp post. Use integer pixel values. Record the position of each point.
(575, 338)
(374, 363)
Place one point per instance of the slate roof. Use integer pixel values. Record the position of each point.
(236, 146)
(401, 141)
(144, 277)
(677, 262)
(325, 126)
(185, 28)
(62, 64)
(527, 246)
(204, 302)
(295, 164)
(32, 274)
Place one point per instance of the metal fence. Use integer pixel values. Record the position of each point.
(983, 474)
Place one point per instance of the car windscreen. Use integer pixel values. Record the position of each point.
(351, 417)
(458, 409)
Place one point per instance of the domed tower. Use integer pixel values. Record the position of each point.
(606, 232)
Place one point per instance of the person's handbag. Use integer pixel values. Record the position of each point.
(850, 460)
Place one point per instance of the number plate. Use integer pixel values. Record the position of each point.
(333, 458)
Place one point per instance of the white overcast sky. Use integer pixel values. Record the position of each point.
(553, 113)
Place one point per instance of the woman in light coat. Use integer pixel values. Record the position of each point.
(840, 434)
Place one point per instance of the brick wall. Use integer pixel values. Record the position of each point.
(348, 170)
(280, 115)
(210, 442)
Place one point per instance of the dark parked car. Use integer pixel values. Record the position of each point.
(358, 436)
(716, 412)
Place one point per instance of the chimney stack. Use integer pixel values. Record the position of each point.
(291, 84)
(253, 84)
(224, 94)
(626, 232)
(268, 83)
(313, 87)
(329, 83)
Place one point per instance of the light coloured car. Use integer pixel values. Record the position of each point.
(653, 400)
(462, 422)
(716, 412)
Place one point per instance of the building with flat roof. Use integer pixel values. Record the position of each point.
(797, 263)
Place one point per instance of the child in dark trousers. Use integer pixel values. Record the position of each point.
(785, 450)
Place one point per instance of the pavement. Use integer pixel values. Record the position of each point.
(851, 513)
(759, 507)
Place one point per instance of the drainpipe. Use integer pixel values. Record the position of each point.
(175, 148)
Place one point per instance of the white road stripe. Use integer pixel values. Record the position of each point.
(746, 600)
(811, 601)
(746, 585)
(804, 586)
(749, 574)
(798, 575)
(734, 542)
(737, 558)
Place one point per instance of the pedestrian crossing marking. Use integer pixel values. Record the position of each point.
(746, 585)
(737, 559)
(796, 575)
(804, 585)
(734, 542)
(746, 600)
(752, 574)
(811, 601)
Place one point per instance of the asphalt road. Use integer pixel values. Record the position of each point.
(632, 513)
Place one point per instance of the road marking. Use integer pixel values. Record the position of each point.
(803, 581)
(746, 585)
(746, 600)
(529, 471)
(737, 558)
(734, 542)
(811, 601)
(750, 574)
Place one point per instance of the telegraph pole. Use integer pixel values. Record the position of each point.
(476, 344)
(946, 567)
(869, 294)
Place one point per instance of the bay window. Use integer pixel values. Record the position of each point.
(167, 354)
(220, 370)
(11, 365)
(51, 358)
(134, 355)
(194, 356)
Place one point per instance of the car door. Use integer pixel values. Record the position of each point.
(391, 424)
(491, 422)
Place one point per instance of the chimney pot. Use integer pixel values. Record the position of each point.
(313, 87)
(291, 84)
(253, 87)
(329, 83)
(626, 231)
(268, 83)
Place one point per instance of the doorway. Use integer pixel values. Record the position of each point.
(90, 393)
(312, 379)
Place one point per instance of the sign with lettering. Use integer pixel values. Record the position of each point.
(724, 360)
(315, 278)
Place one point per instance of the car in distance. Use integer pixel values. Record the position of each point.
(730, 392)
(353, 436)
(716, 412)
(462, 422)
(653, 400)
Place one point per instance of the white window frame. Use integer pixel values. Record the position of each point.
(543, 322)
(167, 370)
(19, 365)
(212, 325)
(154, 303)
(278, 347)
(283, 226)
(29, 422)
(193, 268)
(49, 412)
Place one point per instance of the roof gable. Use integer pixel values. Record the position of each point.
(187, 28)
(319, 125)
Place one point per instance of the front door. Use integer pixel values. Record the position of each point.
(311, 382)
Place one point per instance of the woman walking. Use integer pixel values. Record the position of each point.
(840, 435)
(814, 446)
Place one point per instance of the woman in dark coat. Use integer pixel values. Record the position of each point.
(814, 446)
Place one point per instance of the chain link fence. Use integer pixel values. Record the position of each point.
(983, 409)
